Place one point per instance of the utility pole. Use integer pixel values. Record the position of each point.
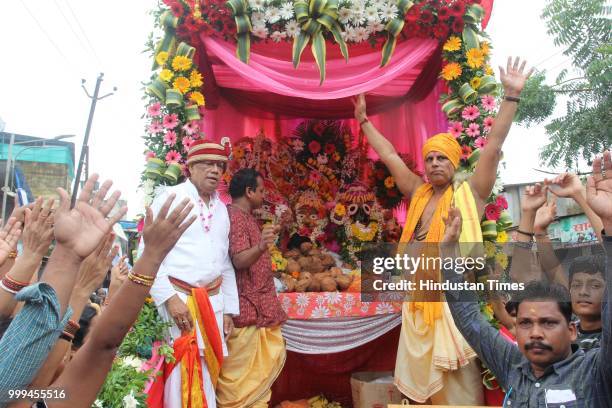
(85, 147)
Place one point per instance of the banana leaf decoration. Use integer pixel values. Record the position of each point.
(468, 95)
(243, 27)
(394, 28)
(169, 22)
(314, 16)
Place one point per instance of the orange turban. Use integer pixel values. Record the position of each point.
(446, 144)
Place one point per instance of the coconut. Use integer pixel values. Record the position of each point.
(328, 284)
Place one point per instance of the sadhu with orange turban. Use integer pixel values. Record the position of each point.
(433, 359)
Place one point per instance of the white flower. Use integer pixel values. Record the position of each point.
(302, 300)
(361, 34)
(344, 15)
(333, 297)
(358, 16)
(98, 404)
(389, 12)
(129, 401)
(375, 27)
(292, 28)
(148, 186)
(273, 15)
(322, 159)
(277, 36)
(131, 361)
(260, 31)
(257, 5)
(379, 3)
(286, 11)
(351, 35)
(384, 308)
(371, 13)
(320, 312)
(344, 35)
(258, 19)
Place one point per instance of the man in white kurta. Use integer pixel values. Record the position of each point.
(199, 259)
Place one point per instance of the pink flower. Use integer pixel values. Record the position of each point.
(155, 127)
(488, 123)
(150, 155)
(470, 112)
(191, 127)
(488, 103)
(172, 157)
(170, 138)
(170, 121)
(455, 128)
(473, 130)
(187, 142)
(502, 202)
(154, 109)
(480, 142)
(492, 212)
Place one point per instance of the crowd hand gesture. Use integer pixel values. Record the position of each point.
(533, 198)
(599, 190)
(452, 229)
(94, 268)
(566, 185)
(360, 107)
(268, 236)
(545, 215)
(82, 228)
(120, 271)
(9, 236)
(38, 228)
(513, 78)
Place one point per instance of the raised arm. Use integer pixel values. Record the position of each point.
(551, 266)
(85, 374)
(599, 198)
(513, 80)
(407, 182)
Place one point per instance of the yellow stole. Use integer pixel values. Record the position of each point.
(463, 199)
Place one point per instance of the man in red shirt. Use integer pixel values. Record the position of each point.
(256, 346)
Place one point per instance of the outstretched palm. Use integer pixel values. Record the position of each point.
(533, 198)
(599, 187)
(514, 77)
(83, 227)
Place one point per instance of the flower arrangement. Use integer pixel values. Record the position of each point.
(384, 185)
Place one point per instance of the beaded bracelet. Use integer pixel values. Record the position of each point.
(14, 292)
(141, 279)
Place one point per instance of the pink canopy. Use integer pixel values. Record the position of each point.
(270, 94)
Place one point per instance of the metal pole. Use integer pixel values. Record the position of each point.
(77, 178)
(6, 189)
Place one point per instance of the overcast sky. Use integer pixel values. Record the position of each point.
(49, 45)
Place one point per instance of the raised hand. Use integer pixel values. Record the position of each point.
(120, 271)
(160, 235)
(533, 198)
(38, 228)
(453, 223)
(514, 78)
(95, 267)
(545, 216)
(599, 190)
(360, 107)
(9, 235)
(82, 228)
(565, 185)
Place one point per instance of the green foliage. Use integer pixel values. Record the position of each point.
(537, 101)
(584, 29)
(148, 328)
(122, 380)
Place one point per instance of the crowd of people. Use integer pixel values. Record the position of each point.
(207, 268)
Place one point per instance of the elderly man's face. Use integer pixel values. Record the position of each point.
(205, 175)
(439, 169)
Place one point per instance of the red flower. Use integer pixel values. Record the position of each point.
(424, 32)
(177, 9)
(492, 212)
(458, 25)
(314, 147)
(380, 174)
(441, 31)
(318, 128)
(411, 28)
(502, 202)
(413, 14)
(330, 148)
(427, 17)
(466, 150)
(458, 9)
(444, 13)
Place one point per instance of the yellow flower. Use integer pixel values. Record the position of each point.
(451, 71)
(490, 249)
(485, 48)
(196, 79)
(161, 57)
(340, 210)
(238, 152)
(197, 97)
(452, 44)
(166, 75)
(475, 57)
(502, 259)
(488, 70)
(475, 82)
(502, 237)
(389, 182)
(181, 63)
(336, 156)
(181, 84)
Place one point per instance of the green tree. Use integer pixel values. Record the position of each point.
(584, 29)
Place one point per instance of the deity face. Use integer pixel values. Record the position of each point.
(307, 216)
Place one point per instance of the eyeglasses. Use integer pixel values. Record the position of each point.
(207, 164)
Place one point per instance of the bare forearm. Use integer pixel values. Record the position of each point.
(22, 271)
(6, 266)
(246, 258)
(593, 218)
(61, 273)
(548, 260)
